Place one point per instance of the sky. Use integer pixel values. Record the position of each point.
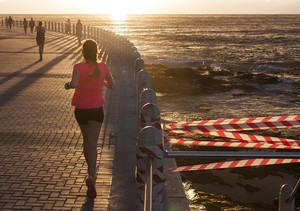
(150, 7)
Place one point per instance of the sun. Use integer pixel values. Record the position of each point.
(118, 16)
(117, 9)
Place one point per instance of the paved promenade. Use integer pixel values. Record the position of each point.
(42, 165)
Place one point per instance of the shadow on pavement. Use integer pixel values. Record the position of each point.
(10, 76)
(88, 205)
(28, 80)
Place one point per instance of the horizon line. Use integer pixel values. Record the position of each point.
(152, 14)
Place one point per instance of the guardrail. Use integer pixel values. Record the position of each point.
(150, 149)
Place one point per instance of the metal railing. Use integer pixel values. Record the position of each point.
(148, 185)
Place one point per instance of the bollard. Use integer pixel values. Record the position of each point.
(65, 31)
(139, 64)
(285, 202)
(98, 36)
(149, 146)
(147, 96)
(136, 55)
(94, 33)
(133, 48)
(143, 81)
(73, 30)
(150, 116)
(91, 32)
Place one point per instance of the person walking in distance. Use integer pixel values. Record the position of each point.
(6, 22)
(68, 26)
(25, 25)
(79, 31)
(88, 78)
(31, 25)
(10, 22)
(40, 38)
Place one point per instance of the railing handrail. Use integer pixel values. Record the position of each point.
(148, 185)
(226, 154)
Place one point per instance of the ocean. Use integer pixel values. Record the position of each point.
(218, 66)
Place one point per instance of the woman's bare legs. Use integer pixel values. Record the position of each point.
(90, 134)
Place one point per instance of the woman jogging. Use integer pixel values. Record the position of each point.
(88, 78)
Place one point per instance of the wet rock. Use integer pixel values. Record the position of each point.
(184, 81)
(251, 188)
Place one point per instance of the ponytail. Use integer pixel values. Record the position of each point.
(96, 72)
(90, 53)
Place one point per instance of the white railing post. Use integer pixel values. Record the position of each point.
(147, 96)
(143, 81)
(149, 146)
(137, 67)
(150, 118)
(287, 196)
(285, 202)
(139, 64)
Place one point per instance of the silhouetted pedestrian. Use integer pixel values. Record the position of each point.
(31, 25)
(10, 21)
(68, 26)
(88, 78)
(25, 25)
(6, 22)
(79, 31)
(40, 38)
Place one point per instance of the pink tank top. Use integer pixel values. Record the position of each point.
(88, 93)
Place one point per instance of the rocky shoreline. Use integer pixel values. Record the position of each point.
(204, 93)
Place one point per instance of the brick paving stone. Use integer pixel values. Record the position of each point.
(41, 160)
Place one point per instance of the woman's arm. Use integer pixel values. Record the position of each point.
(110, 81)
(74, 82)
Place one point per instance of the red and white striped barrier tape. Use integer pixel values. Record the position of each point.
(235, 164)
(231, 143)
(253, 138)
(238, 124)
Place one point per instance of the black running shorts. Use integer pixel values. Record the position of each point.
(92, 114)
